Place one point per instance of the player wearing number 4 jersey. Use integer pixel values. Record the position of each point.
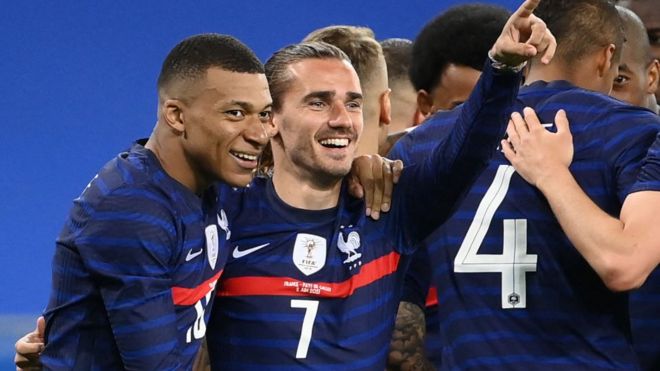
(515, 293)
(312, 282)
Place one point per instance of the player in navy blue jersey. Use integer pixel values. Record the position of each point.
(515, 292)
(444, 77)
(637, 83)
(634, 84)
(137, 261)
(313, 283)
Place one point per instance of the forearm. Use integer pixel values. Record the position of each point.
(481, 123)
(447, 173)
(613, 249)
(407, 345)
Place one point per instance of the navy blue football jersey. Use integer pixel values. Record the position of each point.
(645, 302)
(134, 271)
(645, 322)
(417, 289)
(320, 289)
(514, 293)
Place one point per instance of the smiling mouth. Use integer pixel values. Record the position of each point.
(244, 156)
(334, 142)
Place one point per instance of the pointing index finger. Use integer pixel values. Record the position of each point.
(527, 8)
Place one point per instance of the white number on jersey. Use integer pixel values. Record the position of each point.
(514, 262)
(198, 329)
(311, 308)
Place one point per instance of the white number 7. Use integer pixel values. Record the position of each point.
(311, 307)
(514, 262)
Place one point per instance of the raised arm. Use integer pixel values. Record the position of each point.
(623, 251)
(442, 165)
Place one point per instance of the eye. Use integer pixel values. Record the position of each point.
(354, 106)
(235, 114)
(620, 80)
(265, 116)
(317, 104)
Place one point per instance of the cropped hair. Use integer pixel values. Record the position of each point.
(190, 58)
(398, 54)
(462, 35)
(582, 26)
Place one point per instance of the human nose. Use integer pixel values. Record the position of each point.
(340, 117)
(257, 132)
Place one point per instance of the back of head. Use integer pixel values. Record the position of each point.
(636, 38)
(398, 54)
(461, 35)
(403, 96)
(277, 66)
(189, 60)
(358, 43)
(582, 27)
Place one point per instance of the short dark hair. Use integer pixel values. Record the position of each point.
(462, 35)
(582, 26)
(277, 73)
(398, 54)
(190, 58)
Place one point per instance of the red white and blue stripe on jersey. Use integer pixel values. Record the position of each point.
(133, 273)
(515, 293)
(320, 289)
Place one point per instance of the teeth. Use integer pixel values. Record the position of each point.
(245, 156)
(335, 142)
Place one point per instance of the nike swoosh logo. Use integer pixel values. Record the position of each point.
(241, 253)
(192, 255)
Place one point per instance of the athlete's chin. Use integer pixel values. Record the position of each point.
(239, 178)
(336, 170)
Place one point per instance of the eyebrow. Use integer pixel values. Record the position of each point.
(329, 94)
(248, 106)
(354, 96)
(624, 67)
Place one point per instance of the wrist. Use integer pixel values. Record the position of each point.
(500, 63)
(554, 178)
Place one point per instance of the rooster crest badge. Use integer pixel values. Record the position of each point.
(348, 244)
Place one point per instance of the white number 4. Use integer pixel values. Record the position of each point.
(311, 307)
(514, 262)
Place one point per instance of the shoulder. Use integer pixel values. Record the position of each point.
(420, 139)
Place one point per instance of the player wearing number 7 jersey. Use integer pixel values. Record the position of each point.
(515, 293)
(312, 282)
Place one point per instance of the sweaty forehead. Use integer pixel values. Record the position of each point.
(329, 74)
(230, 86)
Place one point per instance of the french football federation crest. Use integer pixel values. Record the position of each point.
(309, 252)
(211, 233)
(349, 245)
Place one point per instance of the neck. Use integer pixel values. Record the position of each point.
(652, 104)
(303, 192)
(551, 72)
(368, 144)
(581, 73)
(169, 152)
